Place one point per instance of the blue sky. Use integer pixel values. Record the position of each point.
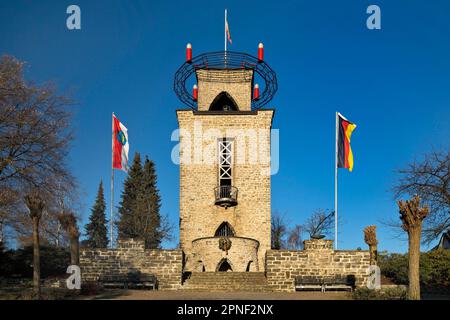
(393, 83)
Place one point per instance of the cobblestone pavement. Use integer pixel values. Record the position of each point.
(197, 295)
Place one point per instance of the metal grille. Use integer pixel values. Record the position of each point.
(225, 162)
(224, 230)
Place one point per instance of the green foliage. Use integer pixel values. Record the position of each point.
(148, 205)
(96, 230)
(434, 268)
(383, 294)
(18, 263)
(140, 205)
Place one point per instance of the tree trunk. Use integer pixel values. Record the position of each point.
(373, 255)
(36, 259)
(74, 250)
(414, 263)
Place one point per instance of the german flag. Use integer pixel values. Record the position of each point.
(345, 154)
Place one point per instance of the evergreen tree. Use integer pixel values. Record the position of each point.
(96, 230)
(148, 205)
(128, 226)
(140, 205)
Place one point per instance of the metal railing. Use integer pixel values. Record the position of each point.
(226, 196)
(221, 60)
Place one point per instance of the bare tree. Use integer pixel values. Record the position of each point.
(294, 240)
(8, 203)
(430, 180)
(34, 142)
(278, 230)
(370, 238)
(319, 224)
(412, 215)
(69, 223)
(34, 131)
(35, 204)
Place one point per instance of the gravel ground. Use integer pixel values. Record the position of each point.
(197, 295)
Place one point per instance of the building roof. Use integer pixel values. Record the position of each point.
(444, 242)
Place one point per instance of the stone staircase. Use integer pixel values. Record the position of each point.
(227, 281)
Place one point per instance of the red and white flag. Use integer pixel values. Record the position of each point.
(120, 145)
(227, 30)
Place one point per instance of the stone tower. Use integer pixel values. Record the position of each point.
(225, 162)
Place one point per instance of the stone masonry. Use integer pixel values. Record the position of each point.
(199, 217)
(238, 83)
(131, 255)
(318, 259)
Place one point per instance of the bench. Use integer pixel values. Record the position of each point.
(131, 280)
(323, 283)
(340, 282)
(309, 283)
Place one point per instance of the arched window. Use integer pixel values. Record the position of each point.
(223, 102)
(224, 230)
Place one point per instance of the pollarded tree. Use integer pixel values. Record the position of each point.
(429, 178)
(35, 205)
(96, 230)
(69, 223)
(412, 215)
(370, 237)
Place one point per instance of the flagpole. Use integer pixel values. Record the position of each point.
(111, 222)
(336, 187)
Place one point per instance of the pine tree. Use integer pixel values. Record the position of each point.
(96, 230)
(148, 205)
(128, 226)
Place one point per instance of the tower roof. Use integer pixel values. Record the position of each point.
(225, 60)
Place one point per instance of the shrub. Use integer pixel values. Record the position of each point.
(89, 288)
(18, 263)
(396, 293)
(434, 269)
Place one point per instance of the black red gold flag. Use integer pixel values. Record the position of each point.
(345, 154)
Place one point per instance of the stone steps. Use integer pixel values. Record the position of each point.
(227, 281)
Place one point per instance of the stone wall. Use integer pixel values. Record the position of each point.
(318, 259)
(131, 255)
(243, 253)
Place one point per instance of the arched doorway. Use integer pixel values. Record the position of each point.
(224, 266)
(223, 102)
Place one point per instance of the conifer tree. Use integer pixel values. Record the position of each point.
(96, 230)
(140, 205)
(148, 205)
(128, 225)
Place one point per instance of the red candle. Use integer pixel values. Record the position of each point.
(195, 92)
(260, 52)
(188, 52)
(256, 92)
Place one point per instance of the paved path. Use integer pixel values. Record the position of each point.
(196, 295)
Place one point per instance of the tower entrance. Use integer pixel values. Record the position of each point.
(224, 266)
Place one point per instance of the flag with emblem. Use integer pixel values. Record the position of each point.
(120, 145)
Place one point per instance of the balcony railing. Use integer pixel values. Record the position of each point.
(226, 196)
